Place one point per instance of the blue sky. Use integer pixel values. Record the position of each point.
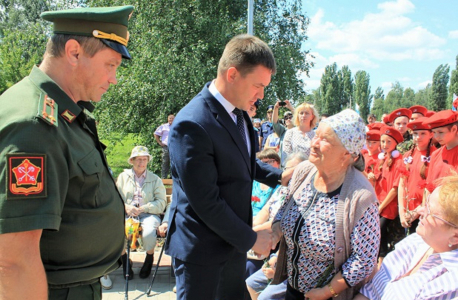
(397, 40)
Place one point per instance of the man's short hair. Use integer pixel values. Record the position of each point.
(245, 52)
(56, 44)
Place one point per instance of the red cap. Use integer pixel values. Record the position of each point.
(387, 119)
(373, 135)
(442, 118)
(429, 113)
(399, 113)
(394, 133)
(375, 126)
(419, 109)
(418, 124)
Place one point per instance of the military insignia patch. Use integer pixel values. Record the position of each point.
(68, 115)
(26, 176)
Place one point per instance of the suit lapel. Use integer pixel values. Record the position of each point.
(226, 121)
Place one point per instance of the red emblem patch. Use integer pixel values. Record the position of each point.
(26, 176)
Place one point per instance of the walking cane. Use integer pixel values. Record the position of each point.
(126, 295)
(155, 270)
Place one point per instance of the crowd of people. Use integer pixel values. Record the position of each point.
(299, 207)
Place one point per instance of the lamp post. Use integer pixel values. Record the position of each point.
(250, 17)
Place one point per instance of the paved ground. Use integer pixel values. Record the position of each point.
(162, 287)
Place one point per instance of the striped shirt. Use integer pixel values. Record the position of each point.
(437, 278)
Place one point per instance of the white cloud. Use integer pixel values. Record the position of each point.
(386, 35)
(423, 84)
(453, 34)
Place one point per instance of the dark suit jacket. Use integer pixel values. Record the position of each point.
(210, 216)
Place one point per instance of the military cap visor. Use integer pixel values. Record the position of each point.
(109, 24)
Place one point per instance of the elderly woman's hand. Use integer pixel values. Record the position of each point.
(318, 294)
(133, 211)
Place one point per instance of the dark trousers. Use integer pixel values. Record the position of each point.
(220, 281)
(385, 238)
(82, 292)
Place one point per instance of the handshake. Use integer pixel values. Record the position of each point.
(266, 240)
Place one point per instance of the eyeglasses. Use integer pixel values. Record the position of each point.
(428, 211)
(269, 161)
(288, 118)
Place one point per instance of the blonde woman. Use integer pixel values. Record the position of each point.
(299, 138)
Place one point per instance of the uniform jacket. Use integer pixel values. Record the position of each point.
(210, 216)
(153, 191)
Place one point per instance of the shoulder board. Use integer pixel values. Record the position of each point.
(47, 110)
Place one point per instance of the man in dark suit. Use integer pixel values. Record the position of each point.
(213, 166)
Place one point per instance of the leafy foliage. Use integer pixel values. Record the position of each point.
(362, 93)
(439, 88)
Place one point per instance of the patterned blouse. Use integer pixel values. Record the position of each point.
(311, 241)
(437, 278)
(296, 141)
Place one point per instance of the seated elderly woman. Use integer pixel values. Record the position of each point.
(144, 197)
(425, 264)
(330, 221)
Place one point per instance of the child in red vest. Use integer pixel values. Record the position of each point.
(371, 156)
(413, 181)
(390, 165)
(444, 125)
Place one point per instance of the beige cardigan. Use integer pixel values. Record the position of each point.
(356, 195)
(153, 191)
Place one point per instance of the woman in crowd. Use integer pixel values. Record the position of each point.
(413, 182)
(299, 138)
(144, 197)
(280, 129)
(331, 226)
(261, 192)
(425, 264)
(258, 282)
(390, 166)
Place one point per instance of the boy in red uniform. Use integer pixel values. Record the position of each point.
(444, 125)
(418, 111)
(390, 164)
(413, 181)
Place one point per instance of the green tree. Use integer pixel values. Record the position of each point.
(453, 89)
(346, 87)
(330, 90)
(408, 98)
(378, 107)
(440, 88)
(362, 93)
(393, 99)
(20, 50)
(423, 96)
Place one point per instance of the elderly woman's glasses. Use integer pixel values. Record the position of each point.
(428, 211)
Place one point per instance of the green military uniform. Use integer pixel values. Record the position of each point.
(54, 176)
(406, 145)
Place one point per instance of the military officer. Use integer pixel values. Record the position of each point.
(61, 217)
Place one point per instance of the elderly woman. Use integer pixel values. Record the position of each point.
(144, 197)
(425, 264)
(330, 222)
(299, 138)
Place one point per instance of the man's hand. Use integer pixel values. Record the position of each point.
(162, 230)
(263, 242)
(289, 106)
(132, 210)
